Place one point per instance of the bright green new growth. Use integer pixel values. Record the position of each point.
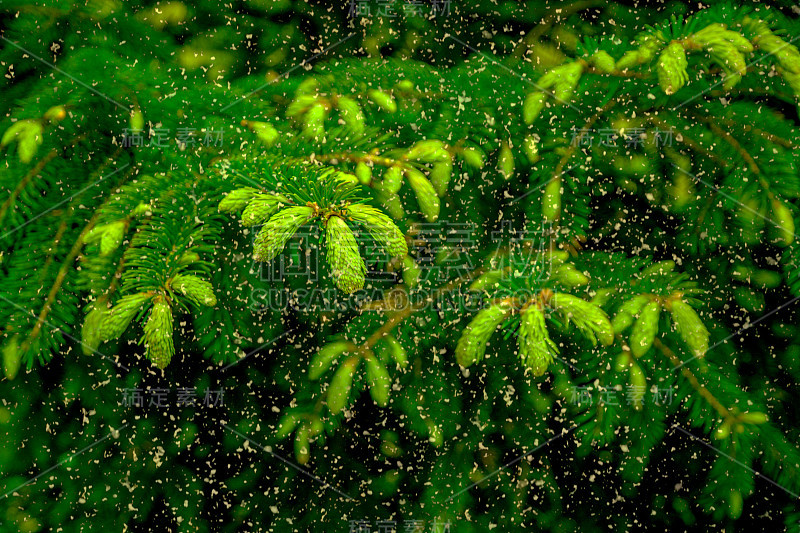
(258, 212)
(563, 79)
(116, 321)
(333, 200)
(197, 290)
(649, 45)
(487, 281)
(341, 383)
(785, 53)
(188, 258)
(112, 237)
(429, 151)
(530, 146)
(426, 194)
(472, 344)
(109, 235)
(587, 317)
(12, 359)
(261, 207)
(628, 311)
(137, 121)
(158, 333)
(536, 349)
(237, 200)
(392, 179)
(505, 162)
(396, 350)
(91, 331)
(264, 131)
(784, 222)
(351, 113)
(672, 66)
(381, 227)
(286, 425)
(551, 200)
(645, 329)
(323, 359)
(534, 103)
(726, 48)
(27, 134)
(378, 379)
(383, 100)
(690, 327)
(473, 157)
(314, 126)
(570, 276)
(440, 175)
(347, 266)
(278, 230)
(603, 61)
(363, 172)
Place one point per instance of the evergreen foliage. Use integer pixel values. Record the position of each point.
(629, 177)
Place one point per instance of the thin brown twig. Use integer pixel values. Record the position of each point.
(33, 173)
(61, 277)
(692, 379)
(689, 141)
(408, 310)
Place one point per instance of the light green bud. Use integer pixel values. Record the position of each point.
(392, 179)
(383, 100)
(672, 65)
(472, 344)
(429, 151)
(551, 200)
(440, 175)
(627, 312)
(645, 329)
(570, 276)
(261, 207)
(363, 173)
(426, 195)
(158, 333)
(237, 200)
(378, 379)
(473, 157)
(91, 332)
(784, 221)
(505, 162)
(603, 61)
(536, 348)
(347, 266)
(197, 290)
(690, 327)
(12, 357)
(116, 321)
(351, 113)
(381, 227)
(278, 230)
(314, 126)
(323, 359)
(339, 389)
(587, 317)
